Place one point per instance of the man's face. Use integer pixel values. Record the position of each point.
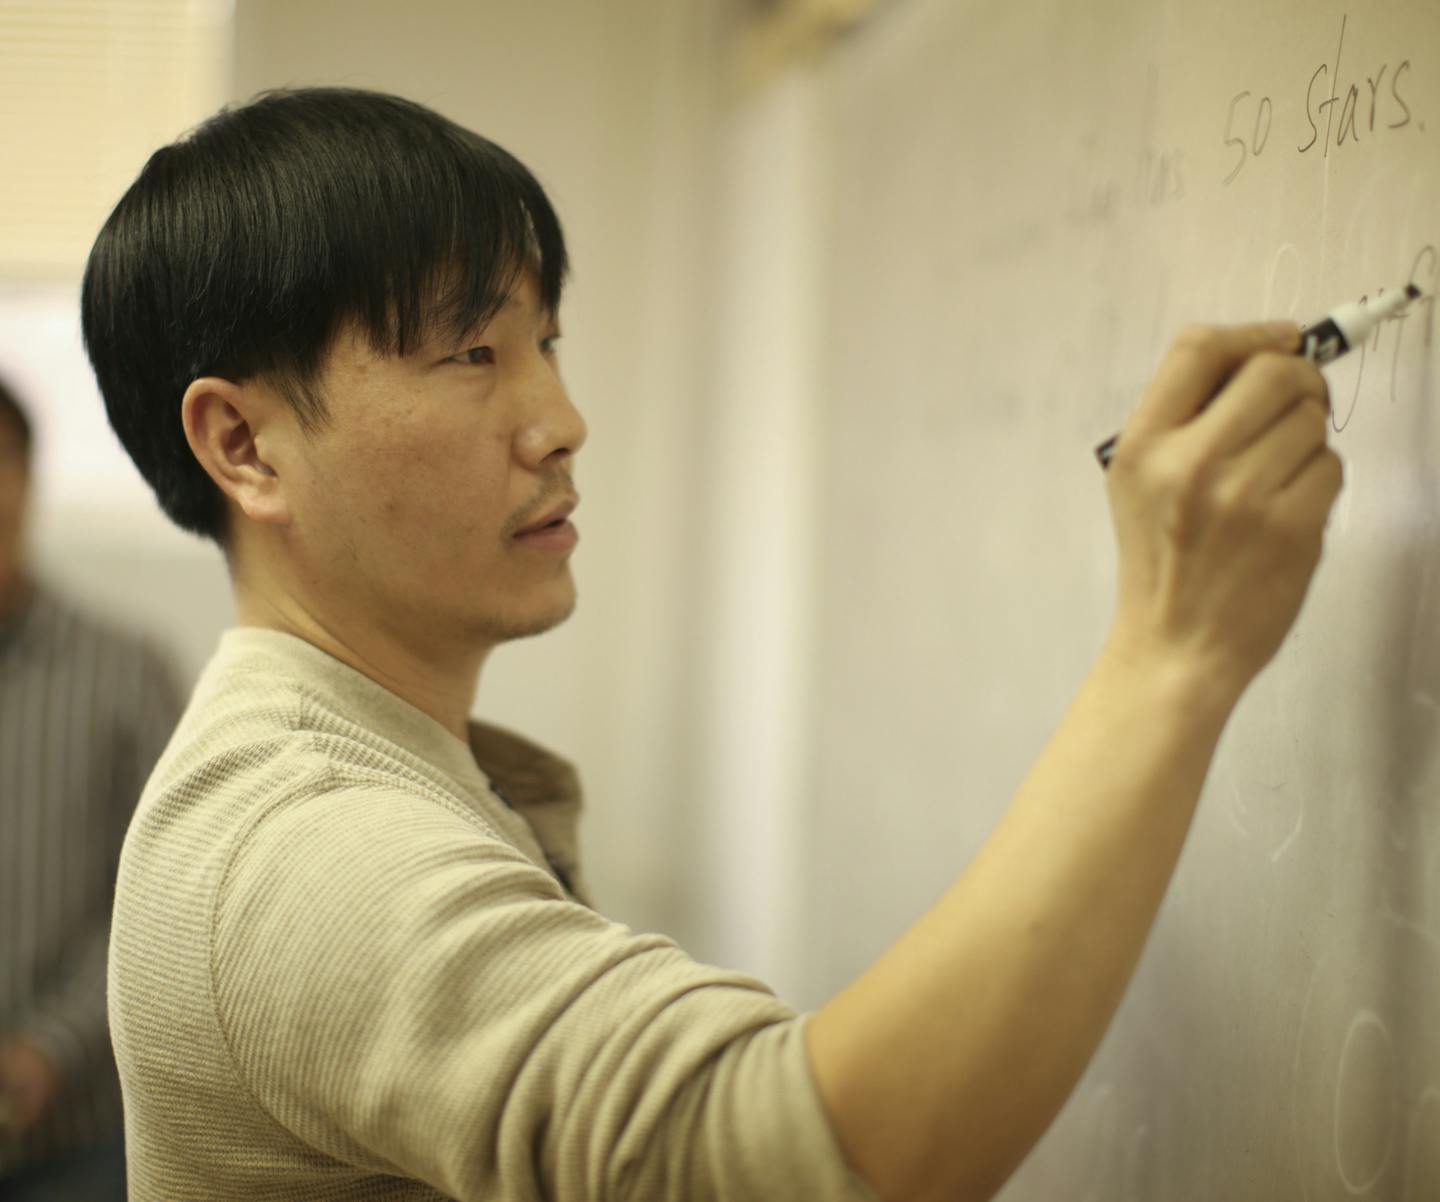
(408, 507)
(14, 496)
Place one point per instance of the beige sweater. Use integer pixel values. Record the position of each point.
(342, 968)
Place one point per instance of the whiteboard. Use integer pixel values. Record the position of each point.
(1028, 200)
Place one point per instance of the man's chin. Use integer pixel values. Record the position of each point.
(511, 627)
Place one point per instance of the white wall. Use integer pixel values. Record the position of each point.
(762, 415)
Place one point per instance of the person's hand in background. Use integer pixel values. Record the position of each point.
(30, 1086)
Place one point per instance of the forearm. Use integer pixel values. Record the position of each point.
(943, 1064)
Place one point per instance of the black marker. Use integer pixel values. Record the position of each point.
(1341, 330)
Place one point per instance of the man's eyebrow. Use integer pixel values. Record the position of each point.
(508, 301)
(504, 302)
(468, 327)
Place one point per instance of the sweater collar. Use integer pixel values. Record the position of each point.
(534, 782)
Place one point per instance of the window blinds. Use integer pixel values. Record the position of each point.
(88, 89)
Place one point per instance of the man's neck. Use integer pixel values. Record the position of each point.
(439, 684)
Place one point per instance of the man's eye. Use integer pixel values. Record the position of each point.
(476, 356)
(547, 345)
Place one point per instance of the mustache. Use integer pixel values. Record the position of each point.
(557, 489)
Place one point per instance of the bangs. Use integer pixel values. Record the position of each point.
(436, 253)
(377, 213)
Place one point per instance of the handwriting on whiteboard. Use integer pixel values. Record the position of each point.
(1412, 328)
(1345, 103)
(1372, 1099)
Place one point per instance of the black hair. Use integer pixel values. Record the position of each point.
(244, 247)
(12, 411)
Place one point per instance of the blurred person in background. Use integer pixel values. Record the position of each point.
(85, 711)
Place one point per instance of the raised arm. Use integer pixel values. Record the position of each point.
(943, 1064)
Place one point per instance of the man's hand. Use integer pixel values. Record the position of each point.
(30, 1085)
(1220, 489)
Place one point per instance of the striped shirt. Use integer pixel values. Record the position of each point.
(85, 711)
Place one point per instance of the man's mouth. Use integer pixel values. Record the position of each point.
(553, 530)
(553, 518)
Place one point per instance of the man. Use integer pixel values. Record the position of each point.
(353, 956)
(84, 713)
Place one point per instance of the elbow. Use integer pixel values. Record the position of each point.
(940, 1186)
(950, 1172)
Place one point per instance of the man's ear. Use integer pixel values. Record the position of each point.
(227, 425)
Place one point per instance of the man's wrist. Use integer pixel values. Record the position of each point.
(1169, 682)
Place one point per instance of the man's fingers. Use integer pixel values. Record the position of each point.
(1266, 388)
(1198, 363)
(1313, 488)
(1272, 460)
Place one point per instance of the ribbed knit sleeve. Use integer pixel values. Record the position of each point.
(425, 1001)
